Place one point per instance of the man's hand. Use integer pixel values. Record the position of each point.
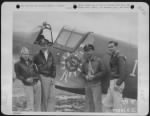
(113, 74)
(30, 80)
(118, 82)
(118, 88)
(89, 77)
(53, 81)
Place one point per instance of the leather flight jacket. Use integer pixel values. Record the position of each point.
(26, 70)
(46, 67)
(118, 67)
(98, 68)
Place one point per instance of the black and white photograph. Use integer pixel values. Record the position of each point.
(76, 61)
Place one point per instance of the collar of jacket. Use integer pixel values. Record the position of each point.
(42, 53)
(24, 61)
(115, 53)
(93, 58)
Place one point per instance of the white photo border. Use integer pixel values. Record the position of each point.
(8, 8)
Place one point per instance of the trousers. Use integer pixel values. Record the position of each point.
(93, 97)
(113, 99)
(48, 93)
(33, 95)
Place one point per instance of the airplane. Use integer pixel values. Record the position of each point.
(68, 53)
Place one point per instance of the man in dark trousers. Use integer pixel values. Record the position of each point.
(112, 101)
(27, 72)
(47, 70)
(93, 71)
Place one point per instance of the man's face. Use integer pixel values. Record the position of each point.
(89, 53)
(25, 56)
(44, 46)
(112, 48)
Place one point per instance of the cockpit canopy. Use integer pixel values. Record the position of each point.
(69, 39)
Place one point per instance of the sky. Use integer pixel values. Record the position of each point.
(122, 26)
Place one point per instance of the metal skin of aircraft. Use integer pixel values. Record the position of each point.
(70, 80)
(68, 53)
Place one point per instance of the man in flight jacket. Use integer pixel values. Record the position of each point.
(47, 70)
(93, 71)
(118, 68)
(26, 71)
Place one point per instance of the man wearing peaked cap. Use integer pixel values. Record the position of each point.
(93, 71)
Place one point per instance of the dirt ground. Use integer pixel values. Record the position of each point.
(65, 101)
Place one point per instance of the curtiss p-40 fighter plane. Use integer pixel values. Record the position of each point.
(68, 52)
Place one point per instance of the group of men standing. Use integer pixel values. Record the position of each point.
(38, 76)
(93, 71)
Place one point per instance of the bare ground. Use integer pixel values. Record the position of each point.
(65, 101)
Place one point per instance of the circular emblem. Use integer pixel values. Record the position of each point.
(72, 63)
